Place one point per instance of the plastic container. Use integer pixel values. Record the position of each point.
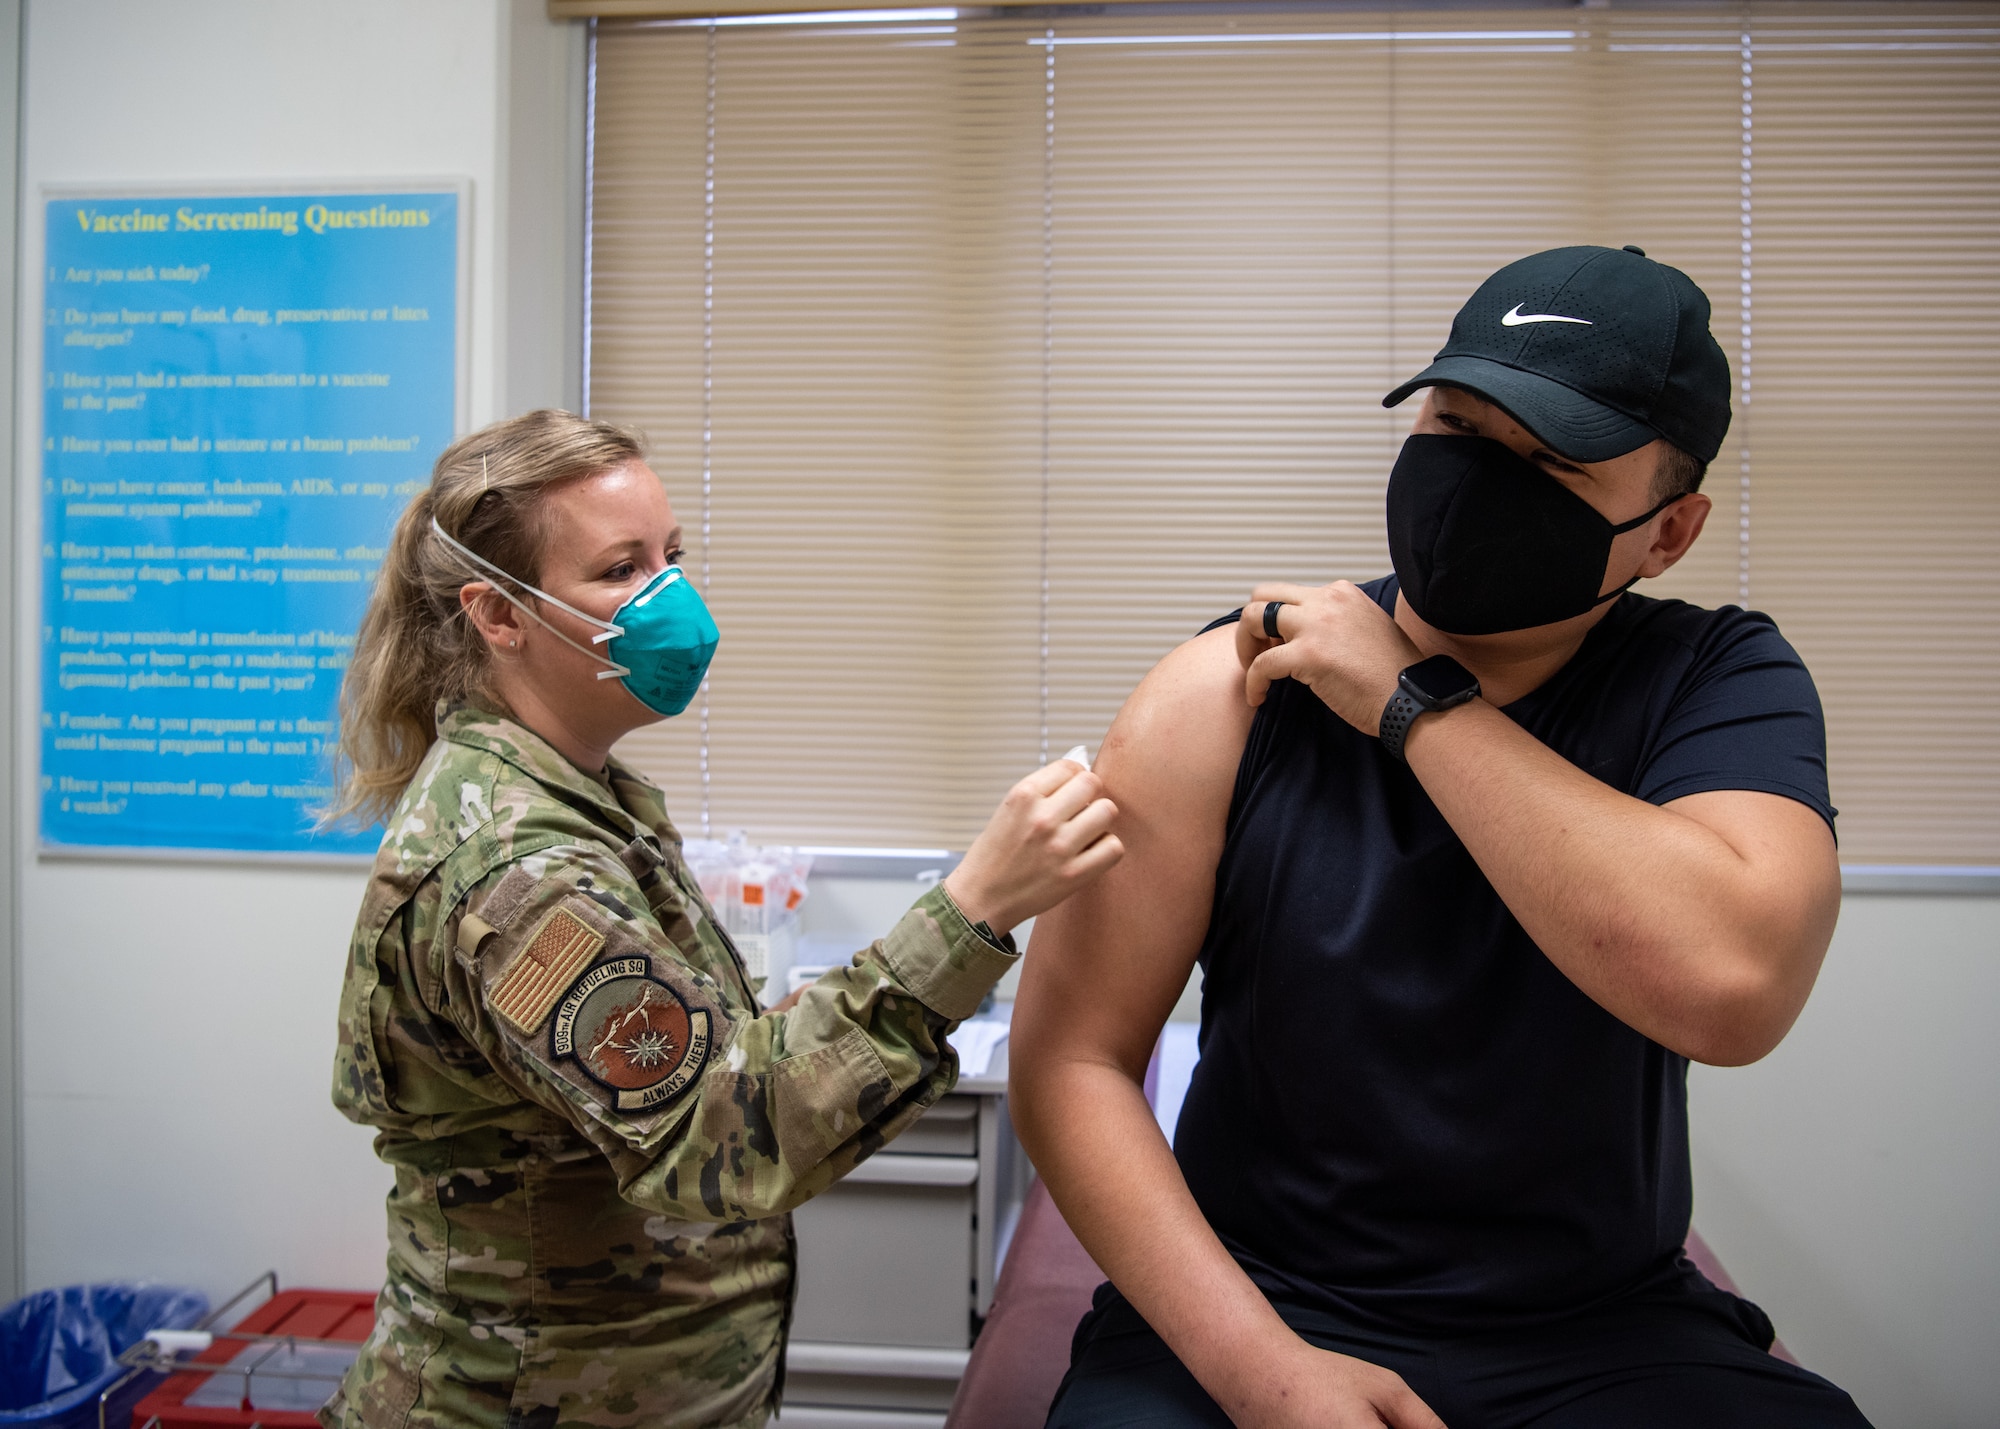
(59, 1348)
(306, 1376)
(756, 893)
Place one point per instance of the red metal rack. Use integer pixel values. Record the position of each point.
(291, 1348)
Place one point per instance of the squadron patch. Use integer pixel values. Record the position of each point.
(630, 1033)
(561, 948)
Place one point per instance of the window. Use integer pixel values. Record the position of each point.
(987, 357)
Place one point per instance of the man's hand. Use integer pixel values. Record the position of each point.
(1305, 1387)
(1335, 639)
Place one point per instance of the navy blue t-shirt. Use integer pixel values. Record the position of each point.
(1403, 1112)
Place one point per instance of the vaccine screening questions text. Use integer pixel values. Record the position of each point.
(240, 396)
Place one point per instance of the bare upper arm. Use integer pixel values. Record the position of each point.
(1791, 864)
(1105, 966)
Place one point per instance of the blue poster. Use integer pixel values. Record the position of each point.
(241, 395)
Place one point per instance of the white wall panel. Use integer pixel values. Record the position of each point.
(1849, 1180)
(177, 1020)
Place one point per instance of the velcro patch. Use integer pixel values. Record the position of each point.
(561, 948)
(632, 1034)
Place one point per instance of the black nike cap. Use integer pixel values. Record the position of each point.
(1595, 350)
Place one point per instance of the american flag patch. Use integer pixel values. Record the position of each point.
(561, 948)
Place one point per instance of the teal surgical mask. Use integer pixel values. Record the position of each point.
(658, 643)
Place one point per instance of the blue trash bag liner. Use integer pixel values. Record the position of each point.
(59, 1348)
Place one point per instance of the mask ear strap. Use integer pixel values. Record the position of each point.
(1637, 521)
(616, 670)
(610, 629)
(1633, 525)
(1614, 594)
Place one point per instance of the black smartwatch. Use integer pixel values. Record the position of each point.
(1426, 687)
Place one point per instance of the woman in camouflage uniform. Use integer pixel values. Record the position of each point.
(596, 1132)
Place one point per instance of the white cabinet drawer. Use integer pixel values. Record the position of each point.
(949, 1128)
(886, 1256)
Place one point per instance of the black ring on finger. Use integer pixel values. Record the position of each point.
(1271, 608)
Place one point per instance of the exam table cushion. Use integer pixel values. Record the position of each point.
(1022, 1352)
(1044, 1289)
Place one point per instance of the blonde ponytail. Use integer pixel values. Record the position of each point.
(415, 646)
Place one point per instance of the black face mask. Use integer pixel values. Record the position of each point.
(1485, 541)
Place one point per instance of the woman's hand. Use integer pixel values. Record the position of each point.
(1050, 836)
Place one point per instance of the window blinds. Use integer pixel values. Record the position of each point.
(986, 357)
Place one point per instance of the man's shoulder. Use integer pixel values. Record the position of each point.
(1171, 756)
(1673, 617)
(1689, 700)
(1192, 700)
(1708, 639)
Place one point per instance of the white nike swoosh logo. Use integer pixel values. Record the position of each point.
(1516, 318)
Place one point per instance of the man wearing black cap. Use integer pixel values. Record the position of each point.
(1489, 852)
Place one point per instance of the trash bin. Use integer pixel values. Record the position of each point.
(59, 1348)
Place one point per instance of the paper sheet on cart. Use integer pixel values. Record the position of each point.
(1179, 1051)
(296, 1377)
(976, 1042)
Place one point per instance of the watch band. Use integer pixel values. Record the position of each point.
(1397, 716)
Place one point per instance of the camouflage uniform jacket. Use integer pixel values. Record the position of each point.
(596, 1136)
